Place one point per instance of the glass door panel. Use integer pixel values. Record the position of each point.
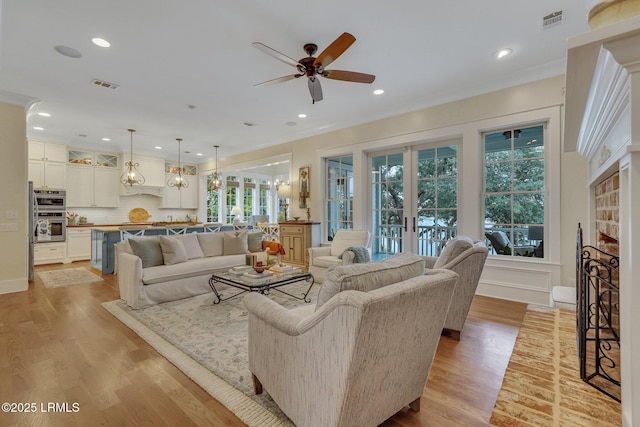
(435, 199)
(387, 196)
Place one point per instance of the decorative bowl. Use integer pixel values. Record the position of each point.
(259, 268)
(296, 218)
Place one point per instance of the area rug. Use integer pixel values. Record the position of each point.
(542, 384)
(209, 344)
(67, 276)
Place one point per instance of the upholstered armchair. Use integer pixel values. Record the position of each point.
(323, 258)
(360, 356)
(465, 257)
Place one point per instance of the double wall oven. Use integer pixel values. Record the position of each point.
(50, 208)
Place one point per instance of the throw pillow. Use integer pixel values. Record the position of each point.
(452, 249)
(235, 242)
(212, 244)
(369, 276)
(254, 241)
(148, 250)
(173, 250)
(191, 245)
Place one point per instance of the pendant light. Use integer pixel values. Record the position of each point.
(216, 181)
(131, 175)
(178, 180)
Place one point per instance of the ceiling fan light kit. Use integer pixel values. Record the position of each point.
(312, 67)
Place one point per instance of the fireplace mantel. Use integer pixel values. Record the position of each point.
(602, 123)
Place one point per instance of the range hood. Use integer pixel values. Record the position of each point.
(136, 190)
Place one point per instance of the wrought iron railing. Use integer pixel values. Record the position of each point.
(598, 318)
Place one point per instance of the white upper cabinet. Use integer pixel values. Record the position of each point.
(184, 198)
(93, 179)
(47, 164)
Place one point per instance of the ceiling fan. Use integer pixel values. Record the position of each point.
(313, 67)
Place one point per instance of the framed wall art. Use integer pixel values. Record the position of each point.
(304, 184)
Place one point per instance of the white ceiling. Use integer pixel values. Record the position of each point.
(167, 55)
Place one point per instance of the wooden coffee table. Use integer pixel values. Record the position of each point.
(263, 285)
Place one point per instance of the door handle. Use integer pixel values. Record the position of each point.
(414, 224)
(405, 224)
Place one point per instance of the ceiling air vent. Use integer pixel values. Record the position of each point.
(552, 19)
(104, 84)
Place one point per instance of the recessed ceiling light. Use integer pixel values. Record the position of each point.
(67, 51)
(502, 53)
(100, 42)
(291, 123)
(302, 115)
(106, 139)
(378, 92)
(199, 154)
(38, 128)
(157, 147)
(43, 114)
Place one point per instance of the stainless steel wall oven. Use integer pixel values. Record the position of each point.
(50, 215)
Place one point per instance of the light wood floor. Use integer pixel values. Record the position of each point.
(59, 345)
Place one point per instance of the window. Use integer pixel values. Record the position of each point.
(252, 193)
(233, 197)
(514, 191)
(339, 195)
(264, 196)
(248, 192)
(213, 203)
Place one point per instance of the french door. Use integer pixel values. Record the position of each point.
(414, 199)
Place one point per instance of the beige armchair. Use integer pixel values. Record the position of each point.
(323, 258)
(467, 258)
(361, 356)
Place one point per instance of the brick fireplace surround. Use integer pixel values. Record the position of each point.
(602, 123)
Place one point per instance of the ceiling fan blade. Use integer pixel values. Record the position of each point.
(334, 50)
(315, 89)
(272, 52)
(349, 76)
(279, 79)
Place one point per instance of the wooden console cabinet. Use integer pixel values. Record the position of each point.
(296, 237)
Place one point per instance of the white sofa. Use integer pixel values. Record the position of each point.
(156, 269)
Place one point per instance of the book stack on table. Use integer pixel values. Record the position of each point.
(254, 277)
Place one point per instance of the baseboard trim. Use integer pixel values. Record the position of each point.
(14, 285)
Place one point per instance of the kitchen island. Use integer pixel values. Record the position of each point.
(104, 238)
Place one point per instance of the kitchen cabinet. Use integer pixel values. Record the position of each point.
(151, 168)
(45, 174)
(47, 151)
(78, 243)
(296, 238)
(185, 198)
(93, 180)
(49, 253)
(47, 164)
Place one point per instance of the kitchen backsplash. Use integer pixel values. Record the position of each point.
(119, 215)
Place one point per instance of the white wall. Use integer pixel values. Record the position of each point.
(13, 198)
